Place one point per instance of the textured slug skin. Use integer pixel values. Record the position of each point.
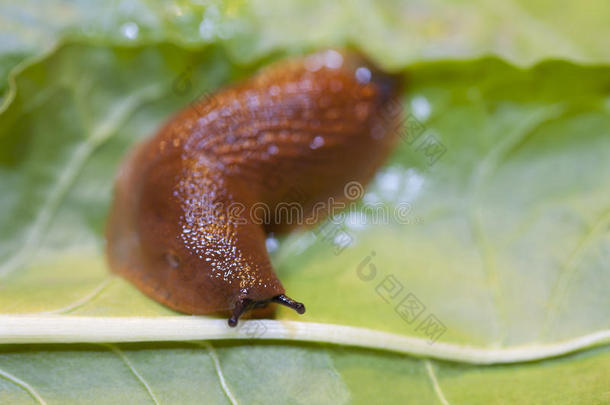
(181, 227)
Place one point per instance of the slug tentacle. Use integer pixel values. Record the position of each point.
(244, 304)
(241, 306)
(290, 303)
(184, 226)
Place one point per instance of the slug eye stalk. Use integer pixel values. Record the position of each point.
(246, 304)
(290, 303)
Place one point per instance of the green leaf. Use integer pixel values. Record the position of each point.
(401, 32)
(254, 373)
(504, 243)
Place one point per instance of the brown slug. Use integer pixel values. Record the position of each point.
(316, 122)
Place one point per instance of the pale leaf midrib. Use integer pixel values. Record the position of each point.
(74, 329)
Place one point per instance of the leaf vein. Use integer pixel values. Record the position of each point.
(221, 377)
(481, 174)
(27, 387)
(561, 286)
(100, 134)
(83, 329)
(435, 384)
(81, 301)
(133, 370)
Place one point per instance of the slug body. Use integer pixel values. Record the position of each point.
(181, 226)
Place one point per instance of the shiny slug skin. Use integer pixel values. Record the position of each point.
(310, 124)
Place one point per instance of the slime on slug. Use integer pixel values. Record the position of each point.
(317, 121)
